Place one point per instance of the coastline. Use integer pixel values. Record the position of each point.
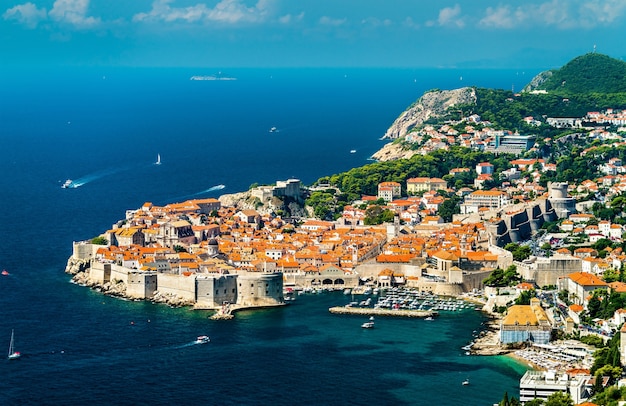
(523, 361)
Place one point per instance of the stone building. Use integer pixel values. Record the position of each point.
(389, 190)
(524, 323)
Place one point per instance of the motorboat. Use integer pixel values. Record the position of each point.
(429, 318)
(368, 324)
(465, 382)
(202, 340)
(353, 151)
(5, 272)
(273, 130)
(68, 184)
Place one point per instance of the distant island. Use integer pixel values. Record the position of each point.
(217, 76)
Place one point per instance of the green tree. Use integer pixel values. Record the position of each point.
(559, 399)
(449, 207)
(99, 240)
(524, 297)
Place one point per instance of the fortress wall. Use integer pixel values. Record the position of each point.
(260, 290)
(548, 274)
(99, 272)
(177, 285)
(119, 273)
(547, 271)
(520, 226)
(213, 291)
(141, 285)
(84, 250)
(474, 280)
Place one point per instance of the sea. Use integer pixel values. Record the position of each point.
(104, 128)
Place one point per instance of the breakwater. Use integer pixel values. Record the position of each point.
(382, 312)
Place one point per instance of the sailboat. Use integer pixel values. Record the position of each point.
(158, 161)
(12, 353)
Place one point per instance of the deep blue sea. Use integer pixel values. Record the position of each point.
(104, 127)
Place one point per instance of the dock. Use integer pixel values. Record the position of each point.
(364, 311)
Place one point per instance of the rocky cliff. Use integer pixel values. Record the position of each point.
(537, 81)
(432, 104)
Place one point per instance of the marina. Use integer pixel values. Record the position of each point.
(399, 302)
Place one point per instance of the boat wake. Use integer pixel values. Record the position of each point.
(96, 175)
(213, 189)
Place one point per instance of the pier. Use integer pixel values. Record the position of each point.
(383, 312)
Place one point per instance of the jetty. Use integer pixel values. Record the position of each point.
(364, 311)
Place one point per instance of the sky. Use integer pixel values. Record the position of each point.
(309, 33)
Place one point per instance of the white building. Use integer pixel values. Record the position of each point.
(542, 384)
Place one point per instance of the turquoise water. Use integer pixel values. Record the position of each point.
(106, 127)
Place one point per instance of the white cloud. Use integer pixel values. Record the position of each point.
(72, 12)
(27, 14)
(450, 16)
(376, 22)
(499, 17)
(564, 14)
(226, 11)
(288, 18)
(335, 22)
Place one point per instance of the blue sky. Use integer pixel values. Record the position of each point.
(309, 33)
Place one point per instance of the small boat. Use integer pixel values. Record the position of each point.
(273, 130)
(202, 340)
(12, 353)
(158, 161)
(429, 318)
(371, 318)
(465, 382)
(5, 272)
(353, 151)
(368, 324)
(68, 184)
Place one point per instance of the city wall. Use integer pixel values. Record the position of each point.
(520, 225)
(183, 287)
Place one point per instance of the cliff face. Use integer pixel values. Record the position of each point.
(431, 105)
(537, 81)
(393, 151)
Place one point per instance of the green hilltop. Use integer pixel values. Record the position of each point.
(589, 73)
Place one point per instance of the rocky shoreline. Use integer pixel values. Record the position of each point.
(488, 340)
(80, 271)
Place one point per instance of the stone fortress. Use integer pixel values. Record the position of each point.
(209, 291)
(520, 223)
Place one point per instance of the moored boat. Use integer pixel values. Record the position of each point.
(368, 324)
